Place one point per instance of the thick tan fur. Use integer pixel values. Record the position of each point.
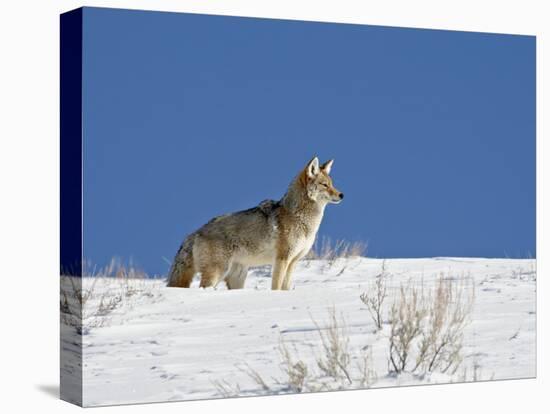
(279, 233)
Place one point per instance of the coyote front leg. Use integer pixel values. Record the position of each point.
(288, 275)
(279, 272)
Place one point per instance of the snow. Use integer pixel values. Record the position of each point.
(164, 344)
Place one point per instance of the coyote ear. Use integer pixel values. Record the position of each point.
(312, 168)
(326, 167)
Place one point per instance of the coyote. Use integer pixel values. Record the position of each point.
(275, 232)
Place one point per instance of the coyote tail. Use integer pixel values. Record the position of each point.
(182, 270)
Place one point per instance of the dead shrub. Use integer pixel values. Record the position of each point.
(427, 329)
(374, 297)
(335, 358)
(296, 370)
(406, 319)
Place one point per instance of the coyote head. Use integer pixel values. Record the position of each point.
(318, 183)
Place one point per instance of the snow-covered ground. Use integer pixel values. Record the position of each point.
(148, 343)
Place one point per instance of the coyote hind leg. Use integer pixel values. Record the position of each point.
(236, 276)
(211, 275)
(181, 276)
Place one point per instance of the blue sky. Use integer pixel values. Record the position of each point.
(190, 116)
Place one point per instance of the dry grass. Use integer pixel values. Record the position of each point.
(330, 251)
(226, 389)
(116, 268)
(325, 248)
(88, 302)
(73, 303)
(332, 369)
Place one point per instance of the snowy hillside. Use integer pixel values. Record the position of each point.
(144, 342)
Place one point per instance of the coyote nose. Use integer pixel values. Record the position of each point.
(341, 196)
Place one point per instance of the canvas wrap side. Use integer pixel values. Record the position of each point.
(71, 201)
